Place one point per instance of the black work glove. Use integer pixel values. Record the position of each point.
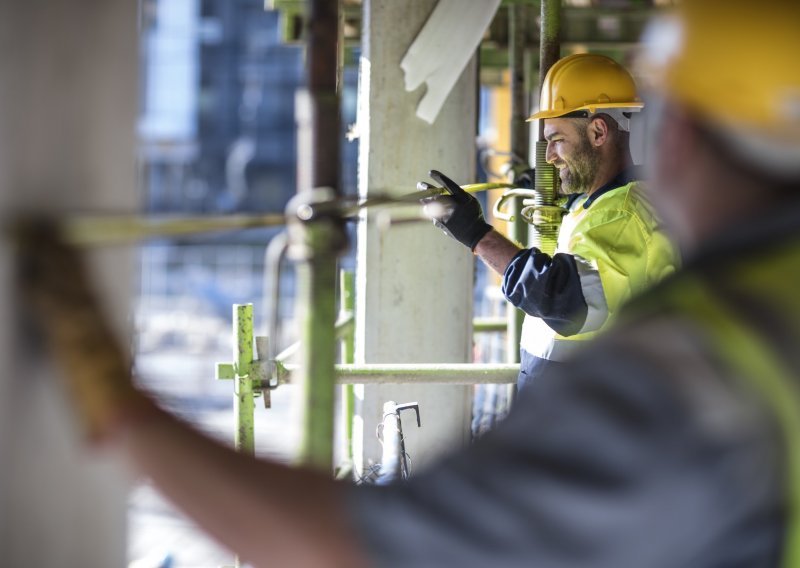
(459, 214)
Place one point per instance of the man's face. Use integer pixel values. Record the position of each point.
(569, 150)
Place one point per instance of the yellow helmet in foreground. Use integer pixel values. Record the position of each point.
(733, 62)
(586, 82)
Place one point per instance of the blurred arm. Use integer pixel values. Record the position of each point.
(269, 514)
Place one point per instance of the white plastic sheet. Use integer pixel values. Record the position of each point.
(443, 48)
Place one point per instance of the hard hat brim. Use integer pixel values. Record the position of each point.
(592, 108)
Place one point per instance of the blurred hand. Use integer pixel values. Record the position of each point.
(458, 214)
(54, 282)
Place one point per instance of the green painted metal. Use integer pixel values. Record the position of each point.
(545, 214)
(517, 228)
(317, 237)
(489, 325)
(225, 372)
(246, 383)
(317, 297)
(347, 305)
(93, 230)
(262, 367)
(435, 373)
(545, 234)
(243, 403)
(452, 373)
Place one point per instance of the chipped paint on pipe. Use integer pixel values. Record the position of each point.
(244, 405)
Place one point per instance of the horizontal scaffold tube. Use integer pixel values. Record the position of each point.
(437, 373)
(119, 229)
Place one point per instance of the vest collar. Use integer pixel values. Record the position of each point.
(624, 177)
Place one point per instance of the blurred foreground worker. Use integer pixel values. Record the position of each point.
(611, 245)
(681, 442)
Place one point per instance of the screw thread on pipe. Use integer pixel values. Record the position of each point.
(545, 236)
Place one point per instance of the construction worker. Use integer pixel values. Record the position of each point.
(672, 440)
(611, 245)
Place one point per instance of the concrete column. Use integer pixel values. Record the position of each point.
(414, 288)
(67, 142)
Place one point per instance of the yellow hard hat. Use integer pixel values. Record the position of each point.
(734, 62)
(589, 82)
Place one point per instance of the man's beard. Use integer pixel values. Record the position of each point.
(578, 175)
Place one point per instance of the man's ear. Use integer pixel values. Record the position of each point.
(598, 132)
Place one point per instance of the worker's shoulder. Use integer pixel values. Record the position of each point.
(630, 199)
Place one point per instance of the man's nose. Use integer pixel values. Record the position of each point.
(550, 156)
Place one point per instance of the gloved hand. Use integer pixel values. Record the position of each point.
(94, 365)
(458, 214)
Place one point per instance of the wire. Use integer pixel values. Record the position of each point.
(370, 475)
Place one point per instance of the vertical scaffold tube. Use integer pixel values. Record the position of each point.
(347, 305)
(321, 239)
(316, 280)
(520, 145)
(546, 233)
(520, 139)
(244, 405)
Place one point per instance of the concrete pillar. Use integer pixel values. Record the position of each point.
(67, 142)
(414, 289)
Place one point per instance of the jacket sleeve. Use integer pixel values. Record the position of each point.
(575, 293)
(550, 288)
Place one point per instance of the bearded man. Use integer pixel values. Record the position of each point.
(610, 244)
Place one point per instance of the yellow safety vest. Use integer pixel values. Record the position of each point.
(618, 238)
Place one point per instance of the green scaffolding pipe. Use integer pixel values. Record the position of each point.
(245, 373)
(517, 228)
(244, 405)
(347, 303)
(489, 325)
(121, 229)
(437, 373)
(546, 178)
(317, 299)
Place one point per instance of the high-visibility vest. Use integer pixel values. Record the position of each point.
(621, 251)
(714, 304)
